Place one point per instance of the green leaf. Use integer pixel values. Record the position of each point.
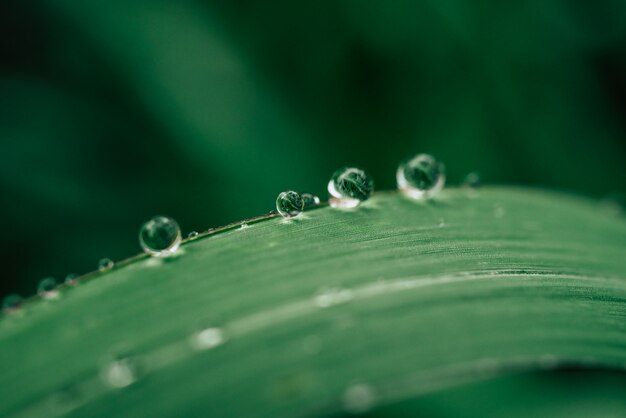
(429, 303)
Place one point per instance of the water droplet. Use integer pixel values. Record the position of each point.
(11, 302)
(207, 338)
(332, 296)
(47, 288)
(471, 181)
(244, 226)
(310, 200)
(192, 234)
(349, 187)
(120, 372)
(442, 223)
(160, 236)
(359, 398)
(289, 204)
(71, 279)
(105, 264)
(421, 177)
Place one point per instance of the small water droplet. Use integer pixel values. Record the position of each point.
(359, 398)
(47, 288)
(349, 186)
(289, 204)
(11, 302)
(332, 296)
(471, 181)
(244, 226)
(160, 236)
(120, 372)
(442, 223)
(192, 234)
(71, 279)
(421, 177)
(105, 264)
(310, 200)
(207, 338)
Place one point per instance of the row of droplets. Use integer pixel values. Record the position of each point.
(419, 177)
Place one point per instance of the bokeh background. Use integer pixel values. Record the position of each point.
(113, 111)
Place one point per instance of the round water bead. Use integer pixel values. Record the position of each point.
(350, 186)
(192, 234)
(310, 200)
(11, 302)
(421, 177)
(160, 236)
(472, 180)
(120, 372)
(105, 264)
(71, 278)
(289, 204)
(47, 287)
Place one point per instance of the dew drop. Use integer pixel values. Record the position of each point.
(471, 181)
(120, 372)
(332, 296)
(289, 204)
(105, 264)
(160, 236)
(420, 177)
(359, 398)
(47, 288)
(207, 338)
(11, 302)
(310, 200)
(349, 186)
(71, 279)
(192, 234)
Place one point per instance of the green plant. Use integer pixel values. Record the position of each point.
(397, 307)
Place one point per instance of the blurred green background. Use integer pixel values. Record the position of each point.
(113, 111)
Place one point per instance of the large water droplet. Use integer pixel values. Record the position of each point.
(310, 200)
(105, 264)
(289, 204)
(160, 236)
(207, 338)
(349, 187)
(359, 398)
(11, 302)
(120, 372)
(421, 176)
(47, 288)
